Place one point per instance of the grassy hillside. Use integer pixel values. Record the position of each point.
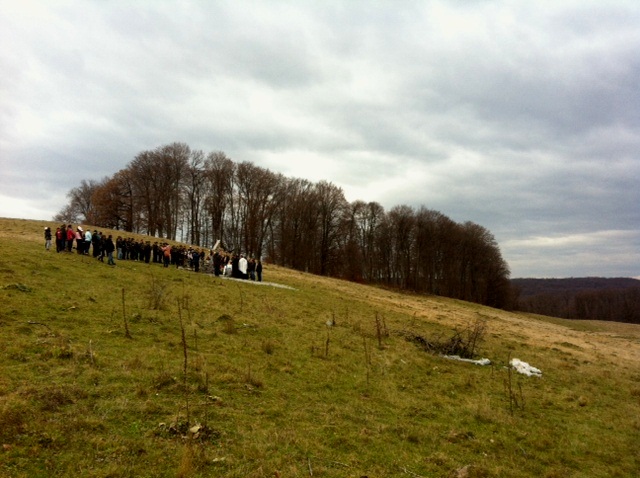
(141, 371)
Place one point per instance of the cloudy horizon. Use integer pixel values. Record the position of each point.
(522, 117)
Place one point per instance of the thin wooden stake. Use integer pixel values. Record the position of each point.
(91, 353)
(186, 362)
(124, 317)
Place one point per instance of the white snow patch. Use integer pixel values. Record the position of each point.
(482, 361)
(525, 369)
(255, 282)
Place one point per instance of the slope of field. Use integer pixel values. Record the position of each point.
(137, 370)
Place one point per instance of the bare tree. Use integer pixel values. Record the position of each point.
(195, 190)
(218, 173)
(428, 256)
(258, 195)
(67, 215)
(331, 207)
(157, 178)
(352, 241)
(368, 220)
(106, 202)
(145, 183)
(171, 163)
(292, 238)
(80, 207)
(112, 202)
(402, 221)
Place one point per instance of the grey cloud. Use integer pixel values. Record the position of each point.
(523, 118)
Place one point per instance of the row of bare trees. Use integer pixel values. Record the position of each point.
(618, 305)
(180, 194)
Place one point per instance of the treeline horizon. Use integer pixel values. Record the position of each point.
(294, 223)
(588, 298)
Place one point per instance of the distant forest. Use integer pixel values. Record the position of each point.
(177, 193)
(590, 298)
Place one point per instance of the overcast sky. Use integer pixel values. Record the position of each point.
(521, 116)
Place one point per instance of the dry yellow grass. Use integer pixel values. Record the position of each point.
(612, 342)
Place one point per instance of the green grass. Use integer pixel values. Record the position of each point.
(276, 392)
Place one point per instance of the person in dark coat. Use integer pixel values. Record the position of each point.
(47, 238)
(259, 270)
(147, 252)
(109, 247)
(235, 270)
(59, 240)
(96, 242)
(195, 257)
(217, 263)
(251, 269)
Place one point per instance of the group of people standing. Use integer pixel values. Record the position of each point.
(237, 266)
(65, 236)
(101, 245)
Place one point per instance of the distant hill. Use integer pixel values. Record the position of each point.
(589, 298)
(529, 287)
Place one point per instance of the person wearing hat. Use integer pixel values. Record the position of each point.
(47, 238)
(87, 241)
(79, 240)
